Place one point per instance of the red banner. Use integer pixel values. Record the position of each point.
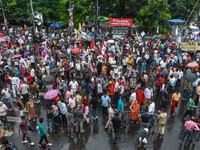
(121, 22)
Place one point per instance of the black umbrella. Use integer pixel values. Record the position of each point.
(62, 55)
(5, 54)
(191, 77)
(54, 70)
(49, 79)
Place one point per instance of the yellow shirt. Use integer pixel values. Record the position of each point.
(176, 97)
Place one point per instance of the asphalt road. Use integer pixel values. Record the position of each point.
(96, 138)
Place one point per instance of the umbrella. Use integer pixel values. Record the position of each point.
(191, 77)
(56, 25)
(192, 64)
(4, 37)
(5, 54)
(51, 94)
(49, 79)
(84, 37)
(27, 53)
(54, 70)
(62, 55)
(73, 39)
(2, 40)
(75, 50)
(111, 41)
(16, 56)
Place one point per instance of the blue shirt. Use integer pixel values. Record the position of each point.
(105, 100)
(154, 64)
(162, 54)
(51, 64)
(120, 105)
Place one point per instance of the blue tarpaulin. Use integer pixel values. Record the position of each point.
(176, 21)
(56, 25)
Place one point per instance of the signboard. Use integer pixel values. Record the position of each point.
(71, 24)
(83, 25)
(117, 22)
(119, 32)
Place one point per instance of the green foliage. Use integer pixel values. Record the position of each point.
(153, 14)
(146, 13)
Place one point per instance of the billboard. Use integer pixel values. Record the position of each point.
(117, 22)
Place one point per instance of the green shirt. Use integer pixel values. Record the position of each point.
(190, 103)
(41, 129)
(79, 99)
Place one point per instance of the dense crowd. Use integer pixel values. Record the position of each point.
(120, 77)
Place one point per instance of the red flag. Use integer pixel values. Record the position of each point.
(92, 43)
(124, 41)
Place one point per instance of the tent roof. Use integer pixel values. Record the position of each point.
(176, 21)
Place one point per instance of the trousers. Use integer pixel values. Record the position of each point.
(15, 89)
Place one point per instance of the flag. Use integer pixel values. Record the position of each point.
(131, 31)
(103, 41)
(79, 27)
(92, 44)
(124, 41)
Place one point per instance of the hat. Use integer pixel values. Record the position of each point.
(146, 130)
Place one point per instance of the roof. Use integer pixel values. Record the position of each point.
(176, 21)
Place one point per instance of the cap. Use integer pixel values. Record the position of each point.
(146, 130)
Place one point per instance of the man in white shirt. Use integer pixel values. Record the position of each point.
(3, 118)
(15, 85)
(151, 110)
(32, 59)
(148, 96)
(132, 97)
(73, 85)
(24, 89)
(180, 76)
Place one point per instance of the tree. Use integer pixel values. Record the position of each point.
(153, 14)
(84, 11)
(182, 8)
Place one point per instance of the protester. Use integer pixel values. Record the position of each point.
(189, 127)
(42, 132)
(23, 126)
(116, 126)
(162, 117)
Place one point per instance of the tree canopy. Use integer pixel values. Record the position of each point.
(146, 13)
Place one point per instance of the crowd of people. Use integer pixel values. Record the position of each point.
(122, 77)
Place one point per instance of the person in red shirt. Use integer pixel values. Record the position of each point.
(30, 78)
(140, 97)
(160, 82)
(7, 81)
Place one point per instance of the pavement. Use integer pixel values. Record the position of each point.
(96, 138)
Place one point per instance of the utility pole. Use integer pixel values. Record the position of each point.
(97, 17)
(4, 18)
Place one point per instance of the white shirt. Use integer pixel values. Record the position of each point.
(2, 108)
(99, 88)
(14, 80)
(172, 81)
(32, 72)
(151, 108)
(6, 92)
(180, 74)
(116, 87)
(148, 93)
(78, 66)
(132, 98)
(32, 59)
(73, 85)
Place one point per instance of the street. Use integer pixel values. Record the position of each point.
(95, 137)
